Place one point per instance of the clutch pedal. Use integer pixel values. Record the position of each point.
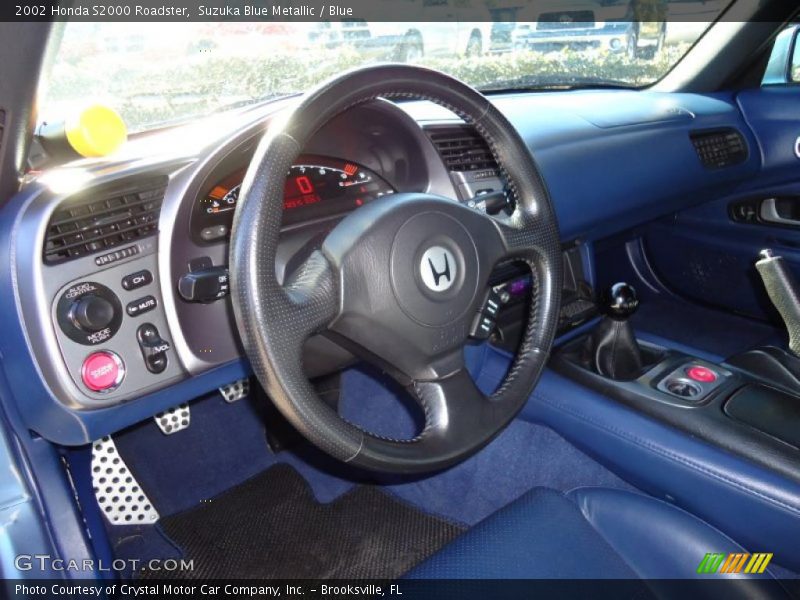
(174, 420)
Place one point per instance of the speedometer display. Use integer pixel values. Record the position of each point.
(315, 188)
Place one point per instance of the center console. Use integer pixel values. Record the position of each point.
(739, 405)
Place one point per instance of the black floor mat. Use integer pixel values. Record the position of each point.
(272, 527)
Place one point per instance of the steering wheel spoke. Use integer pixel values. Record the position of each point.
(454, 407)
(516, 234)
(310, 296)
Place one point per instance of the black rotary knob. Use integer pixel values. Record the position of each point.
(89, 313)
(92, 313)
(621, 301)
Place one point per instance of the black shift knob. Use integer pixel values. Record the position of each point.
(621, 301)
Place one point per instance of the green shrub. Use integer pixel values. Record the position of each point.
(150, 92)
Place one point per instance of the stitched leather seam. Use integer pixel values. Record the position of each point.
(666, 453)
(614, 340)
(360, 446)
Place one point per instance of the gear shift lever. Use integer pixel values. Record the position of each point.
(612, 347)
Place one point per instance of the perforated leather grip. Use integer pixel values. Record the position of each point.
(783, 291)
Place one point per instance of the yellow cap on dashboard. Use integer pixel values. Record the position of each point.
(96, 131)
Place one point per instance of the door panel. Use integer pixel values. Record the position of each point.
(707, 253)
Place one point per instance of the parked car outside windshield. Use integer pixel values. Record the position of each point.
(159, 74)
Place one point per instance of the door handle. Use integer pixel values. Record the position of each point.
(784, 211)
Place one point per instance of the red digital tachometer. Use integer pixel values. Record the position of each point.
(316, 187)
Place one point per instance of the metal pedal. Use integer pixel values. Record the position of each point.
(235, 391)
(120, 497)
(174, 420)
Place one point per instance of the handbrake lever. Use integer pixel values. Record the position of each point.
(782, 289)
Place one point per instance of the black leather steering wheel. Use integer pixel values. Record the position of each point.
(399, 281)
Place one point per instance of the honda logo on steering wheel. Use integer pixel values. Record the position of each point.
(438, 268)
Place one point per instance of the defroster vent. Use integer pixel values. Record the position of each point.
(94, 221)
(462, 148)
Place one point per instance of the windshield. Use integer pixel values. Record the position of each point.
(156, 74)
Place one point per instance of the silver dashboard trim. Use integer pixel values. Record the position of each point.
(34, 302)
(34, 292)
(173, 202)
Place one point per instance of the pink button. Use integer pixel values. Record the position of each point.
(701, 374)
(102, 371)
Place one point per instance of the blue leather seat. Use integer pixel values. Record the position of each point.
(592, 533)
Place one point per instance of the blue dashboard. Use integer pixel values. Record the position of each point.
(612, 160)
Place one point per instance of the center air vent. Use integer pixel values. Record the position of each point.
(94, 221)
(462, 148)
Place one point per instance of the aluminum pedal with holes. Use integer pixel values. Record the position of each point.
(120, 497)
(235, 391)
(174, 420)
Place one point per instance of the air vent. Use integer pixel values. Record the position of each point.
(719, 148)
(93, 221)
(462, 148)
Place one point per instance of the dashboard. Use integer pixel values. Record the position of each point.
(317, 187)
(120, 283)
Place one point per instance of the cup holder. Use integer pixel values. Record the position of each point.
(682, 387)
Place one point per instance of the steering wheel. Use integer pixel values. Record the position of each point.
(399, 281)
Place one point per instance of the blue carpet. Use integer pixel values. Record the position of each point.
(226, 445)
(522, 457)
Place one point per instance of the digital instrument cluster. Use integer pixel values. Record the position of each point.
(316, 187)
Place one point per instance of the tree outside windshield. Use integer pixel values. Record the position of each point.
(156, 74)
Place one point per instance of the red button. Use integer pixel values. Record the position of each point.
(102, 371)
(701, 374)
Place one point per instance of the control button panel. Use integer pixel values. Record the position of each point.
(693, 381)
(136, 280)
(89, 313)
(102, 371)
(128, 361)
(141, 306)
(154, 348)
(484, 323)
(210, 234)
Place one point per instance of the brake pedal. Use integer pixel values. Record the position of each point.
(174, 420)
(120, 497)
(235, 391)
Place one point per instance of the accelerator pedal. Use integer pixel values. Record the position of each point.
(120, 497)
